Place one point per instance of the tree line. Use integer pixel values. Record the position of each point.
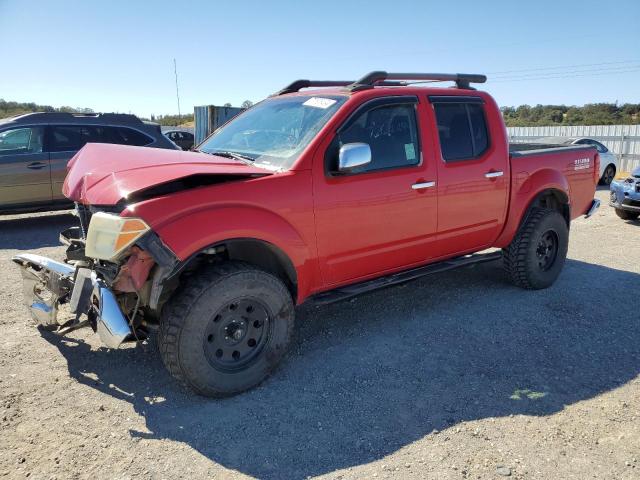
(522, 116)
(589, 114)
(11, 109)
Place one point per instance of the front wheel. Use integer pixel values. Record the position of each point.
(626, 214)
(536, 255)
(227, 329)
(608, 175)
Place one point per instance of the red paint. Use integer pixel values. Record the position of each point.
(104, 174)
(338, 230)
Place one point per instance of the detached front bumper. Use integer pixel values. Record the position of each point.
(47, 284)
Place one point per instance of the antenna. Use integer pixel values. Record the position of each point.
(175, 71)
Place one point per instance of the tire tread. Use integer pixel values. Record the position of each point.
(178, 307)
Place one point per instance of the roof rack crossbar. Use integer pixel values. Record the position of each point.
(381, 78)
(462, 80)
(299, 84)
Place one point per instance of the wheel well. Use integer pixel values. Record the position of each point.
(255, 252)
(264, 255)
(555, 200)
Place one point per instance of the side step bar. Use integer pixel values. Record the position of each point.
(342, 293)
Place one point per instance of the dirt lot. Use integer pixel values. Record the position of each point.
(455, 376)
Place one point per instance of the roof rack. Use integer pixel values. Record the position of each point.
(62, 116)
(381, 78)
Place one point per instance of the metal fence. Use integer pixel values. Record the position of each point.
(209, 117)
(623, 140)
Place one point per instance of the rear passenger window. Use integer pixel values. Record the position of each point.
(462, 129)
(391, 131)
(128, 136)
(70, 139)
(73, 138)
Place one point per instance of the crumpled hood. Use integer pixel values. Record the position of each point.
(104, 174)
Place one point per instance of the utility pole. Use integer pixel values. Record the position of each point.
(175, 71)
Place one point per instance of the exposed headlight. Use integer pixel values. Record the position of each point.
(109, 235)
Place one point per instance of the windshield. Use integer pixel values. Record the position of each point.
(274, 133)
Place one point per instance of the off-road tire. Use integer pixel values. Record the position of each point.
(190, 315)
(522, 259)
(626, 214)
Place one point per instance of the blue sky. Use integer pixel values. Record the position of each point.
(118, 55)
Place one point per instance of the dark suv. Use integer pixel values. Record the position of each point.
(35, 149)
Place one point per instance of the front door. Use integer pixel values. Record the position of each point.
(381, 216)
(25, 177)
(473, 176)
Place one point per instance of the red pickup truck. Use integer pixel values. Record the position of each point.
(320, 192)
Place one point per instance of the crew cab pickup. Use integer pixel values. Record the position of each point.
(320, 192)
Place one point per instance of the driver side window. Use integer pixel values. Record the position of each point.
(390, 130)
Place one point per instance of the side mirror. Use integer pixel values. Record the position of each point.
(353, 155)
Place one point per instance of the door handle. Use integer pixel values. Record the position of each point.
(36, 165)
(420, 186)
(493, 174)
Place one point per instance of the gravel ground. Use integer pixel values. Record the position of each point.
(459, 375)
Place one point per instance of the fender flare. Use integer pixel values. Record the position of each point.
(526, 192)
(227, 223)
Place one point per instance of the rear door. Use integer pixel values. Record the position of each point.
(382, 216)
(473, 176)
(63, 143)
(25, 178)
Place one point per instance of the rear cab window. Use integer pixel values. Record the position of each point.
(462, 127)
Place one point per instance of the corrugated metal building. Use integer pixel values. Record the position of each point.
(623, 140)
(209, 117)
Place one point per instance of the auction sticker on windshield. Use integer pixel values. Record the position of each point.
(319, 102)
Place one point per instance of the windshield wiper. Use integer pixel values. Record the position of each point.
(234, 155)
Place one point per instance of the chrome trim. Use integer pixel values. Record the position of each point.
(25, 259)
(420, 186)
(353, 155)
(46, 282)
(595, 205)
(493, 174)
(39, 276)
(113, 329)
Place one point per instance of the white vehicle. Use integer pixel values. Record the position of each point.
(608, 160)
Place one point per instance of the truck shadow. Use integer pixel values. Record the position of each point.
(370, 376)
(31, 232)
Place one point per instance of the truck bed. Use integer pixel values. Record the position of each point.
(572, 164)
(533, 148)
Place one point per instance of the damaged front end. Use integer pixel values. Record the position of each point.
(113, 294)
(47, 284)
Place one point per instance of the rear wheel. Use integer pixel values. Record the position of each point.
(227, 329)
(626, 214)
(608, 175)
(535, 257)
